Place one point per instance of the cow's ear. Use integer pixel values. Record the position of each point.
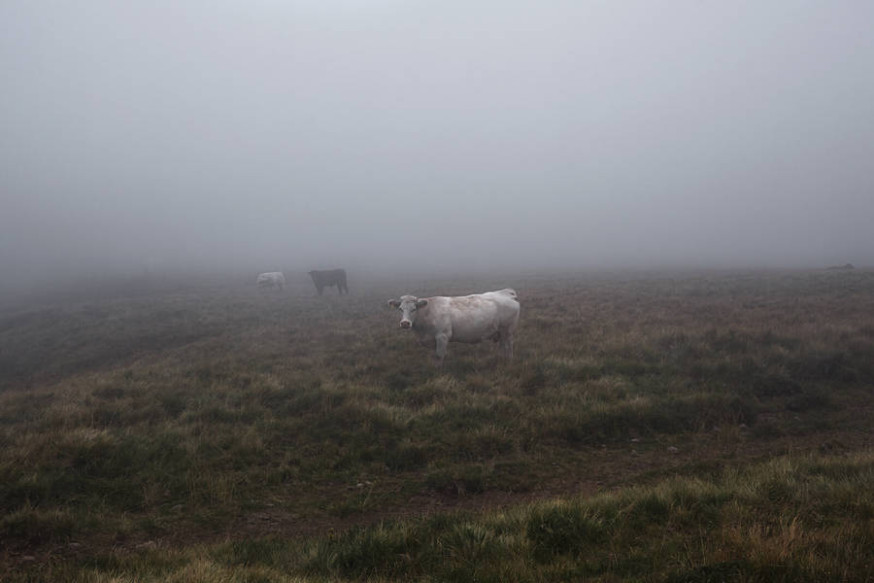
(394, 303)
(421, 303)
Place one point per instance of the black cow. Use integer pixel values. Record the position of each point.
(330, 277)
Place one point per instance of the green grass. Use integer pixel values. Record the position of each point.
(805, 518)
(182, 418)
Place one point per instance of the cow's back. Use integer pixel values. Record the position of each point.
(502, 294)
(329, 277)
(474, 317)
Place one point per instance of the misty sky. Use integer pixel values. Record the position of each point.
(386, 134)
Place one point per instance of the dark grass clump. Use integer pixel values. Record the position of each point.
(359, 553)
(113, 471)
(562, 530)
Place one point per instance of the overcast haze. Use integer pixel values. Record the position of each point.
(448, 135)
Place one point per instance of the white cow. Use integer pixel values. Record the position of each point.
(470, 319)
(272, 279)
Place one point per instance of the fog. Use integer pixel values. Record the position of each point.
(392, 136)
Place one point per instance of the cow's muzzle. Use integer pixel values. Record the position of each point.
(406, 324)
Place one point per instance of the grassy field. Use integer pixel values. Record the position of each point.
(653, 426)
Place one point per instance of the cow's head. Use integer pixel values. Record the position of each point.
(408, 305)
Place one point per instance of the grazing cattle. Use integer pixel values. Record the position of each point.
(330, 277)
(272, 279)
(470, 319)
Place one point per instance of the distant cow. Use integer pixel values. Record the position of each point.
(330, 277)
(272, 279)
(470, 319)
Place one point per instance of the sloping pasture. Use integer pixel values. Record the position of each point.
(224, 433)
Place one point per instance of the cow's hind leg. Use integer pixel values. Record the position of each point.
(508, 347)
(507, 343)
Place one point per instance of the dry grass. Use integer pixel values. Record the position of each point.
(192, 415)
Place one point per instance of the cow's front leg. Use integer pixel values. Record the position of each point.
(441, 340)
